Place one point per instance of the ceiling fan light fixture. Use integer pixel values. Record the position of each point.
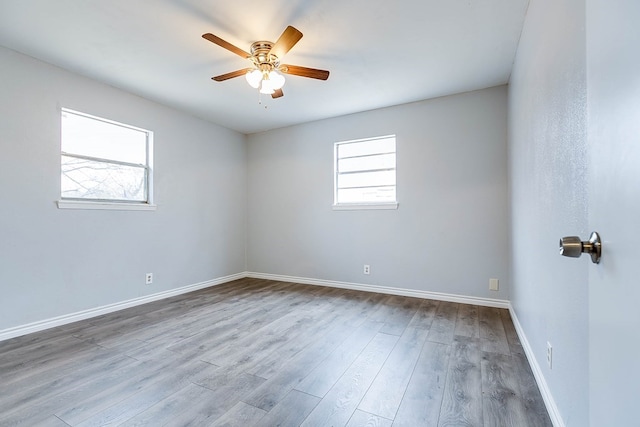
(254, 77)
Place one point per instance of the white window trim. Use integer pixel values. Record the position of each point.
(364, 206)
(360, 206)
(71, 203)
(104, 205)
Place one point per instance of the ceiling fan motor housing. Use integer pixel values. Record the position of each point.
(262, 58)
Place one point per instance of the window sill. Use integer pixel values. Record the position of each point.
(365, 206)
(90, 205)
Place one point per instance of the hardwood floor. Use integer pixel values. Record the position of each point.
(265, 353)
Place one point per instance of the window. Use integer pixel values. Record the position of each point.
(104, 161)
(365, 174)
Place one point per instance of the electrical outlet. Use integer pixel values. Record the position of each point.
(148, 279)
(494, 284)
(367, 269)
(549, 354)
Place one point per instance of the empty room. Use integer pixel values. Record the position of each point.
(313, 213)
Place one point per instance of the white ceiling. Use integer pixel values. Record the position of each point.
(380, 52)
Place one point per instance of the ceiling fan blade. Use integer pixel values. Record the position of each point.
(277, 94)
(231, 75)
(287, 40)
(225, 44)
(313, 73)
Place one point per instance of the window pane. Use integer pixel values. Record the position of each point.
(85, 179)
(367, 179)
(363, 148)
(380, 161)
(367, 195)
(365, 171)
(96, 138)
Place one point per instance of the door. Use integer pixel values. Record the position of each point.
(613, 82)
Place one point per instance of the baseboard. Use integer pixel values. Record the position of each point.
(549, 402)
(41, 325)
(17, 331)
(486, 302)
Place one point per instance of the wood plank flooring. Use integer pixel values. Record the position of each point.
(264, 353)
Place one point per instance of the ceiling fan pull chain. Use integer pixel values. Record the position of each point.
(260, 100)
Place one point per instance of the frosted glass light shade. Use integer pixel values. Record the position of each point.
(267, 87)
(267, 82)
(253, 78)
(277, 80)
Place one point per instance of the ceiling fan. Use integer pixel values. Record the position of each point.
(265, 72)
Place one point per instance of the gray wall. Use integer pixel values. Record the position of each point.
(549, 199)
(55, 262)
(449, 233)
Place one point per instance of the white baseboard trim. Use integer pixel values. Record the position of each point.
(17, 331)
(549, 402)
(486, 302)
